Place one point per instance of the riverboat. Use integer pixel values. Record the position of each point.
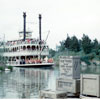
(26, 51)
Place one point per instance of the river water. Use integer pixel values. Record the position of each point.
(27, 82)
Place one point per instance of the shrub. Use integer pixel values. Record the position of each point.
(2, 68)
(86, 60)
(10, 67)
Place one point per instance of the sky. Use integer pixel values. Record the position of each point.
(60, 17)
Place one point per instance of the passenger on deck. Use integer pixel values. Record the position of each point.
(17, 61)
(46, 59)
(23, 60)
(32, 60)
(29, 61)
(26, 61)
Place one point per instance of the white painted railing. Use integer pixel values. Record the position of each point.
(26, 52)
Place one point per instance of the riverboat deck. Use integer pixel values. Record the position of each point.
(33, 65)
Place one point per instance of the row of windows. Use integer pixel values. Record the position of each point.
(14, 49)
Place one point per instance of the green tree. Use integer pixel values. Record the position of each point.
(80, 44)
(62, 46)
(52, 52)
(86, 44)
(68, 42)
(95, 44)
(75, 44)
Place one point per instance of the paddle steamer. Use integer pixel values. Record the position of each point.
(27, 51)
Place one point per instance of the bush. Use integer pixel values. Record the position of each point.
(2, 68)
(10, 67)
(91, 56)
(95, 63)
(86, 60)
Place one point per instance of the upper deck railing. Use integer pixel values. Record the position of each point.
(28, 41)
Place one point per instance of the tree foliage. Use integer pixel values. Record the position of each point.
(86, 44)
(72, 43)
(75, 44)
(52, 52)
(68, 43)
(62, 46)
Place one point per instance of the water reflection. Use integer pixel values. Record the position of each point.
(26, 82)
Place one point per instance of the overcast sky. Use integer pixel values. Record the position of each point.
(74, 17)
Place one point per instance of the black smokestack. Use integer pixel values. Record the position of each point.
(40, 27)
(24, 16)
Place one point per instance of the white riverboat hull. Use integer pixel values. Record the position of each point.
(32, 65)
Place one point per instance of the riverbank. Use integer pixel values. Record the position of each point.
(87, 58)
(89, 62)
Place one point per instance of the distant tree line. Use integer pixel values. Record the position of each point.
(85, 44)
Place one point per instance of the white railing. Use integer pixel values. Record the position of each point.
(24, 42)
(19, 63)
(26, 52)
(13, 63)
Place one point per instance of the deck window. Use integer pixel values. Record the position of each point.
(33, 48)
(28, 47)
(24, 47)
